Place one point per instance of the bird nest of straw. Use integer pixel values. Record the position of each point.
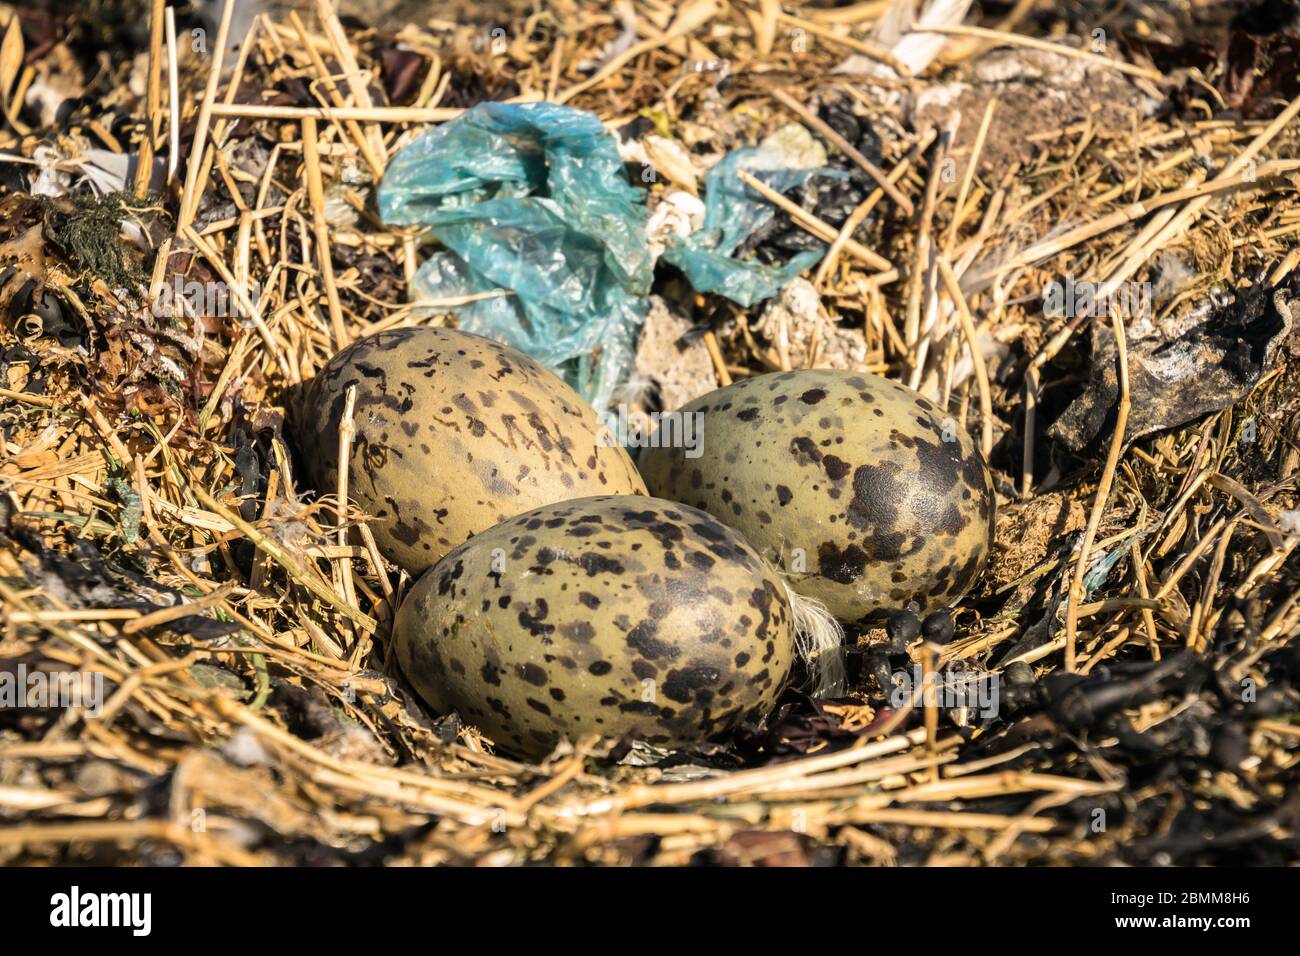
(1141, 609)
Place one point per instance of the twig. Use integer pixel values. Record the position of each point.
(153, 99)
(347, 431)
(968, 176)
(245, 302)
(672, 793)
(1019, 39)
(920, 299)
(810, 222)
(189, 199)
(1103, 489)
(1031, 415)
(377, 114)
(324, 259)
(351, 74)
(282, 558)
(375, 162)
(173, 100)
(845, 147)
(690, 18)
(1050, 247)
(976, 355)
(930, 701)
(856, 217)
(41, 401)
(715, 353)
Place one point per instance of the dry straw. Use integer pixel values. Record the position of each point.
(295, 719)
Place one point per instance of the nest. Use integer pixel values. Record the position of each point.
(1142, 606)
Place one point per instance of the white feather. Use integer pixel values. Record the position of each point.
(817, 639)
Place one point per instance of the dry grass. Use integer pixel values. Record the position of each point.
(156, 463)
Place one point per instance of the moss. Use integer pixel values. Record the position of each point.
(88, 230)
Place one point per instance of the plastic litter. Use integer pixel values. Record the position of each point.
(533, 199)
(1180, 368)
(1101, 569)
(732, 213)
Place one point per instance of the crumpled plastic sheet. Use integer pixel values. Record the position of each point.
(533, 199)
(732, 213)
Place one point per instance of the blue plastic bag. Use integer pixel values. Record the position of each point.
(732, 213)
(533, 198)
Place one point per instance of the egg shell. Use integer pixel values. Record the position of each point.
(864, 492)
(603, 615)
(454, 432)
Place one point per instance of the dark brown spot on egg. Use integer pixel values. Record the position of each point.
(532, 674)
(836, 468)
(843, 565)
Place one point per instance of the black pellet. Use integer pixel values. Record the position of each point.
(938, 627)
(902, 628)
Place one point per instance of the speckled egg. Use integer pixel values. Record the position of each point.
(602, 615)
(454, 432)
(864, 492)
